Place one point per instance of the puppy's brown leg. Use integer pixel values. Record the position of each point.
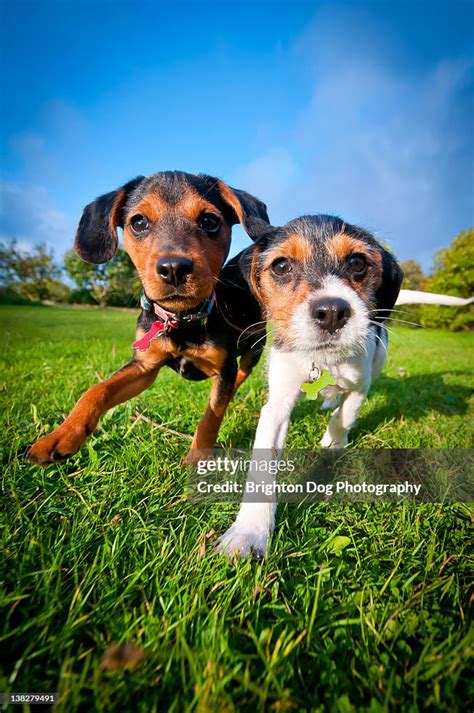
(247, 363)
(222, 389)
(66, 440)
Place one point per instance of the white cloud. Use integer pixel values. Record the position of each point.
(39, 152)
(394, 172)
(380, 144)
(277, 170)
(30, 215)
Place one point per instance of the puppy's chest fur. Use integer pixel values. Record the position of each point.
(189, 350)
(197, 351)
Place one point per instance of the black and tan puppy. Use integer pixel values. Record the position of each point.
(195, 315)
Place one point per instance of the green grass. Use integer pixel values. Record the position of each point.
(105, 548)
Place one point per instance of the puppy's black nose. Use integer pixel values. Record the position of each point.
(173, 269)
(330, 313)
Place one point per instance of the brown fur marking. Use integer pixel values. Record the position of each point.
(208, 427)
(231, 199)
(343, 246)
(295, 246)
(208, 254)
(279, 301)
(152, 206)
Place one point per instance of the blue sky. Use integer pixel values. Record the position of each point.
(364, 110)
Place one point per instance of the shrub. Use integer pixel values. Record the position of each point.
(454, 275)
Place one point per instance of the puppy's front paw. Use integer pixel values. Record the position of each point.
(57, 446)
(333, 442)
(329, 404)
(239, 543)
(332, 397)
(197, 455)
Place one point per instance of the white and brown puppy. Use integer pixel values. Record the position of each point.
(326, 288)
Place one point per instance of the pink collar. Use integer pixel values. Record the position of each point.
(167, 321)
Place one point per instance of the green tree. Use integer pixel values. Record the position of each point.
(413, 277)
(113, 283)
(124, 286)
(454, 275)
(90, 279)
(33, 275)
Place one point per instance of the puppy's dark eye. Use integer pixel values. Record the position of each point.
(139, 224)
(209, 222)
(281, 266)
(357, 264)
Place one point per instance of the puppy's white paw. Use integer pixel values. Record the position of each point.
(239, 542)
(330, 404)
(329, 441)
(332, 395)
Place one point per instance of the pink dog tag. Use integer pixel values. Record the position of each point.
(144, 342)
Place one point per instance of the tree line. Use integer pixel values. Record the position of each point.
(36, 276)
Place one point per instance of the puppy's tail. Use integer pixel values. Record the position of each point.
(415, 297)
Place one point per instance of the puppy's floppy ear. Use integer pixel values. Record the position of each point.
(387, 293)
(249, 263)
(248, 210)
(96, 238)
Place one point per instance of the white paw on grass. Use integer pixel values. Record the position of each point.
(239, 543)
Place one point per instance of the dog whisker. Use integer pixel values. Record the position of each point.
(388, 330)
(382, 343)
(269, 334)
(255, 324)
(388, 309)
(405, 321)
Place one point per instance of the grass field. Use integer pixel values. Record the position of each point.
(105, 549)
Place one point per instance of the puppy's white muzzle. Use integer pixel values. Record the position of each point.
(341, 334)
